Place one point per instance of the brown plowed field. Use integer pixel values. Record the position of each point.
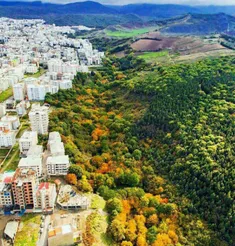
(184, 45)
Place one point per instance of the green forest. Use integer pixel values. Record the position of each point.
(157, 143)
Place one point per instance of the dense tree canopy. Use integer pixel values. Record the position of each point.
(157, 144)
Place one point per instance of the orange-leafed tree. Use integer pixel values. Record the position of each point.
(71, 178)
(141, 241)
(131, 230)
(126, 243)
(152, 220)
(162, 239)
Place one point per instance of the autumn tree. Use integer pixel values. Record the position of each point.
(84, 185)
(117, 230)
(71, 178)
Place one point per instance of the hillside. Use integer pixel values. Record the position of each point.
(67, 14)
(157, 144)
(201, 24)
(158, 11)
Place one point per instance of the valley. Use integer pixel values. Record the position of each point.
(148, 128)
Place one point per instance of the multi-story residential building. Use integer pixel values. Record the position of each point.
(32, 162)
(7, 139)
(12, 119)
(35, 151)
(36, 92)
(65, 84)
(31, 69)
(54, 137)
(2, 109)
(28, 139)
(57, 165)
(6, 199)
(54, 145)
(5, 126)
(21, 108)
(46, 196)
(24, 188)
(57, 149)
(39, 119)
(19, 91)
(4, 83)
(10, 104)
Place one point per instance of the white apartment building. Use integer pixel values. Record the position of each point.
(4, 83)
(31, 69)
(54, 137)
(31, 162)
(39, 119)
(46, 196)
(36, 92)
(58, 66)
(57, 165)
(51, 89)
(21, 108)
(19, 91)
(35, 151)
(27, 140)
(2, 109)
(65, 84)
(13, 120)
(57, 149)
(7, 139)
(5, 126)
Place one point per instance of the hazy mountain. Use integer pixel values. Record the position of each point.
(201, 24)
(96, 14)
(158, 10)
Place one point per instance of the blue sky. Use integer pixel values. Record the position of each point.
(121, 2)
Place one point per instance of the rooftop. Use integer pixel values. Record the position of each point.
(63, 159)
(28, 135)
(56, 147)
(54, 136)
(35, 150)
(30, 161)
(9, 118)
(44, 185)
(11, 229)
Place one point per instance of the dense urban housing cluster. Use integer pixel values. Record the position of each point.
(27, 47)
(36, 59)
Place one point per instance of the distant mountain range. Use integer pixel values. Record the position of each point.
(201, 24)
(93, 13)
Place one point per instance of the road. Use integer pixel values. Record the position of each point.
(43, 238)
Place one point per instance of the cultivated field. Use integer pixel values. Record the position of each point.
(184, 45)
(153, 47)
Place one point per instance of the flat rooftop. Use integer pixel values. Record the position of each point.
(63, 159)
(35, 151)
(30, 161)
(28, 135)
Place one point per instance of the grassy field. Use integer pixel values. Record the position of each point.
(3, 152)
(12, 160)
(6, 94)
(129, 33)
(149, 56)
(28, 232)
